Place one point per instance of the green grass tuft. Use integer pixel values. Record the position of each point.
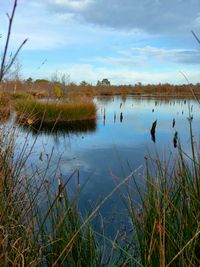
(168, 222)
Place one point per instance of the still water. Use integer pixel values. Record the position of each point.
(106, 151)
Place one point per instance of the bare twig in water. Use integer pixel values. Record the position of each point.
(153, 131)
(173, 123)
(175, 139)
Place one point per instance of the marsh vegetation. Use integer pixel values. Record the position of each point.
(158, 222)
(52, 214)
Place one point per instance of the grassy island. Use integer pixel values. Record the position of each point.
(49, 113)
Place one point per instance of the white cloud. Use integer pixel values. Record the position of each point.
(71, 4)
(141, 56)
(184, 56)
(44, 30)
(90, 73)
(90, 30)
(127, 61)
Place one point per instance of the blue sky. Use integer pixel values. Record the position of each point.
(126, 41)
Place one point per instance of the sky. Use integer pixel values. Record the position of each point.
(126, 41)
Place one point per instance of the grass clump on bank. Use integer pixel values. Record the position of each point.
(168, 222)
(49, 113)
(39, 225)
(16, 246)
(39, 229)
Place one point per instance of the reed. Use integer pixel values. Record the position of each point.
(15, 232)
(40, 225)
(167, 224)
(58, 227)
(35, 227)
(5, 107)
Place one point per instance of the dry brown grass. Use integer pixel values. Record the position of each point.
(5, 107)
(47, 89)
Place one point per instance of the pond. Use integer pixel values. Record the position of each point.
(108, 150)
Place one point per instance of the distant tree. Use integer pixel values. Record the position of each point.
(29, 80)
(98, 83)
(59, 82)
(105, 82)
(60, 78)
(65, 79)
(72, 84)
(84, 83)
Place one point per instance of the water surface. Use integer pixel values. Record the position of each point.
(119, 141)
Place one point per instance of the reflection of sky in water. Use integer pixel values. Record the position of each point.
(106, 151)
